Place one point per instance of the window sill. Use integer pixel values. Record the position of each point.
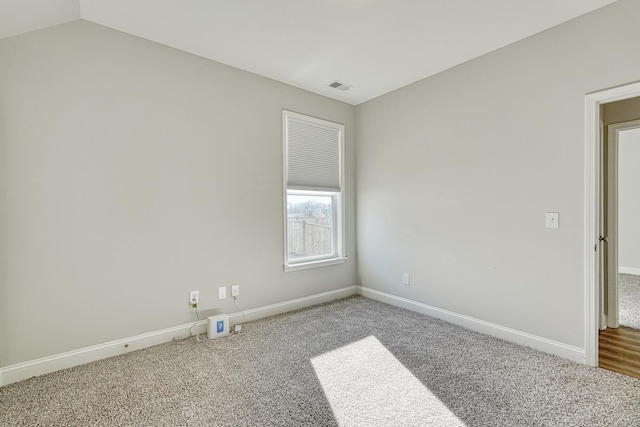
(314, 264)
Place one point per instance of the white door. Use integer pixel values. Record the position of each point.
(627, 223)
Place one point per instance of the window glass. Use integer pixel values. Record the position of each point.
(310, 226)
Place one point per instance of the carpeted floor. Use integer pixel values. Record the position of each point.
(354, 362)
(629, 300)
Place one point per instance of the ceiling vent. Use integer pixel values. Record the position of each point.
(339, 85)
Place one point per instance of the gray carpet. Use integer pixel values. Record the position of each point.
(354, 362)
(629, 300)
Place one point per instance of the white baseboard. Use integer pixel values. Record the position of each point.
(629, 270)
(566, 351)
(22, 371)
(45, 365)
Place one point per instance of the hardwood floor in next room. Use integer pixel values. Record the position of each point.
(619, 351)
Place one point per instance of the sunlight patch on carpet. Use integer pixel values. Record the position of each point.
(365, 384)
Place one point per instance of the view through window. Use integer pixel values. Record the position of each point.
(310, 226)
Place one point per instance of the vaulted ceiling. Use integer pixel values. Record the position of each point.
(374, 46)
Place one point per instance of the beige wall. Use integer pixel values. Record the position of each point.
(132, 173)
(456, 172)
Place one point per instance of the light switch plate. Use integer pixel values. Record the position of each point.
(552, 219)
(222, 292)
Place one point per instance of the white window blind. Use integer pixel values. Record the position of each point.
(313, 150)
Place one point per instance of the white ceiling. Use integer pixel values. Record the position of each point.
(374, 45)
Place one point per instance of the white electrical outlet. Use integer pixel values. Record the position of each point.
(406, 279)
(235, 290)
(194, 297)
(222, 292)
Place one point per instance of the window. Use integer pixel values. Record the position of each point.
(313, 192)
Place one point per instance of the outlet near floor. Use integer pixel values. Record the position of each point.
(235, 290)
(222, 292)
(194, 297)
(406, 279)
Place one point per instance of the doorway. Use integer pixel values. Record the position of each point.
(619, 338)
(597, 255)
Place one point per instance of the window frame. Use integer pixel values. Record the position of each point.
(338, 255)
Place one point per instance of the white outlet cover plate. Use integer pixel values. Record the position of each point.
(552, 219)
(222, 292)
(235, 290)
(194, 295)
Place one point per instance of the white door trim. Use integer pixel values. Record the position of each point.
(592, 301)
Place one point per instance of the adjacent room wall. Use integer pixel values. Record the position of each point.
(629, 200)
(132, 173)
(621, 111)
(455, 174)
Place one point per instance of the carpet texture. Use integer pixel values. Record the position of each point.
(353, 362)
(629, 300)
